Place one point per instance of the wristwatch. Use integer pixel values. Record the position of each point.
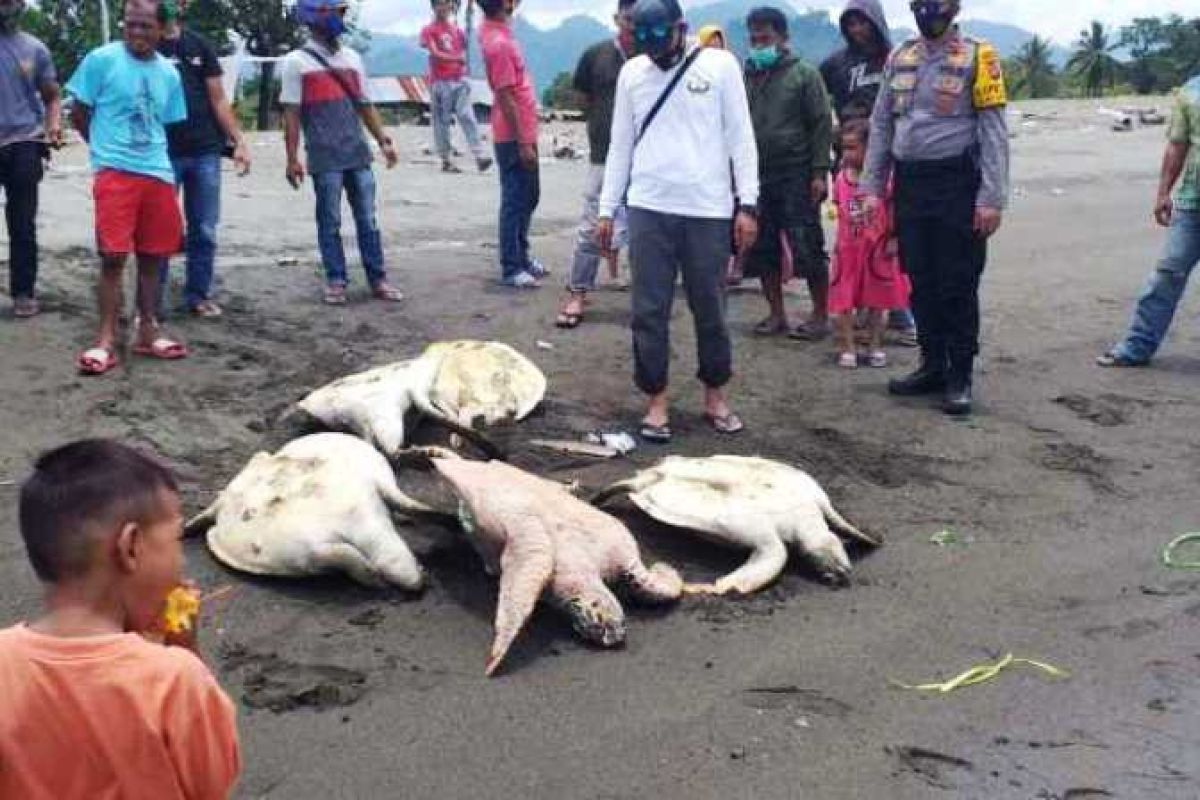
(748, 210)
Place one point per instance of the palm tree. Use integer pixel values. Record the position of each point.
(1092, 62)
(1035, 72)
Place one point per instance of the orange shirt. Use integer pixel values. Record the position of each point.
(111, 717)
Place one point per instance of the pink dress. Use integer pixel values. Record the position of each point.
(864, 275)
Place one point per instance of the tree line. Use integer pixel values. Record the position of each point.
(1151, 55)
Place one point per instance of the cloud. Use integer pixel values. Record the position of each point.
(1061, 20)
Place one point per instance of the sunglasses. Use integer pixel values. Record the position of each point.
(656, 33)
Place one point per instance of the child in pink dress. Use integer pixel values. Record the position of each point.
(866, 268)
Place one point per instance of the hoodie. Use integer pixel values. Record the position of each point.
(851, 75)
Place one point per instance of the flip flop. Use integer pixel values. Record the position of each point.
(162, 348)
(770, 328)
(656, 434)
(335, 295)
(726, 425)
(97, 361)
(207, 310)
(809, 332)
(385, 291)
(568, 321)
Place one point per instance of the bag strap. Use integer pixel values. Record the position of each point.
(354, 96)
(666, 95)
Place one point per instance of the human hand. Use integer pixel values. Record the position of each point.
(241, 157)
(295, 173)
(745, 232)
(1164, 210)
(604, 234)
(54, 135)
(820, 191)
(987, 221)
(390, 156)
(872, 208)
(891, 247)
(529, 156)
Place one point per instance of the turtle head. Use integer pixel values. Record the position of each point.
(831, 562)
(597, 618)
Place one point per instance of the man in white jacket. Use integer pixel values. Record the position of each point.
(672, 169)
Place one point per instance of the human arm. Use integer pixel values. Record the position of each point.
(291, 143)
(228, 123)
(506, 98)
(51, 94)
(582, 81)
(81, 119)
(993, 164)
(200, 732)
(738, 130)
(877, 167)
(1175, 157)
(370, 117)
(619, 164)
(820, 123)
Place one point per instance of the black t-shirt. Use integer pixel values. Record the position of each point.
(197, 62)
(596, 77)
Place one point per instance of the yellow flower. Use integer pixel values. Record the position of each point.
(183, 607)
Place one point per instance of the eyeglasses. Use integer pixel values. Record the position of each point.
(658, 32)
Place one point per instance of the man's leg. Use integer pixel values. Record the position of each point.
(202, 209)
(806, 240)
(704, 261)
(441, 120)
(916, 232)
(1161, 295)
(586, 262)
(328, 188)
(108, 300)
(149, 272)
(360, 189)
(21, 173)
(512, 260)
(763, 262)
(532, 194)
(182, 167)
(464, 112)
(653, 249)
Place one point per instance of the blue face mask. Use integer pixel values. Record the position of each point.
(763, 58)
(332, 26)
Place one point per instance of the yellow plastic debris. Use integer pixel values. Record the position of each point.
(183, 607)
(1168, 554)
(982, 674)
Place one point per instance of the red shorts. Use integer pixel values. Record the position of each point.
(136, 214)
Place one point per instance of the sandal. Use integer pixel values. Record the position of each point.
(162, 348)
(207, 310)
(770, 327)
(335, 295)
(97, 361)
(656, 434)
(568, 319)
(877, 359)
(727, 425)
(848, 361)
(385, 291)
(811, 332)
(26, 307)
(1115, 359)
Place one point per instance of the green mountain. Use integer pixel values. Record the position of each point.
(550, 52)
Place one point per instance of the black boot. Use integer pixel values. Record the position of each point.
(958, 397)
(929, 378)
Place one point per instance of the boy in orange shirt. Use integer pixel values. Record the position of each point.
(88, 707)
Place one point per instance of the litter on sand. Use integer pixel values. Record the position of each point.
(542, 345)
(1169, 558)
(982, 674)
(949, 538)
(572, 448)
(620, 441)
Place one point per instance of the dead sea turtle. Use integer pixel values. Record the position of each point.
(745, 502)
(542, 540)
(321, 504)
(455, 383)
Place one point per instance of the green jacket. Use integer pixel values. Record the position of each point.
(793, 122)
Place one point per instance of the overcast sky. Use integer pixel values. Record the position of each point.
(1059, 19)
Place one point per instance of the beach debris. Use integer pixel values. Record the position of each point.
(543, 541)
(620, 441)
(321, 504)
(949, 538)
(749, 503)
(544, 345)
(287, 261)
(458, 384)
(982, 674)
(573, 448)
(1170, 558)
(1122, 121)
(1151, 116)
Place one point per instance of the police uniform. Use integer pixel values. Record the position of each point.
(939, 129)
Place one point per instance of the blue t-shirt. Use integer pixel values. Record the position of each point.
(132, 102)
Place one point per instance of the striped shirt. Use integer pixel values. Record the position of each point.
(333, 135)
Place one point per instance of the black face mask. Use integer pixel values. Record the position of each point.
(666, 61)
(933, 17)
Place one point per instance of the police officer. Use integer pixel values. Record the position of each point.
(939, 127)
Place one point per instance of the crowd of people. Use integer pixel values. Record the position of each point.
(693, 155)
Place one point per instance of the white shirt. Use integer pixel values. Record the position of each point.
(682, 165)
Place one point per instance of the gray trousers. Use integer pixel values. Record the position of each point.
(660, 247)
(452, 100)
(586, 262)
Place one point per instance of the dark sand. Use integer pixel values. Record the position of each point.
(1067, 483)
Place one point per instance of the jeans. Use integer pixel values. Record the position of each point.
(360, 191)
(1164, 289)
(20, 174)
(452, 100)
(520, 192)
(586, 262)
(660, 247)
(199, 178)
(935, 209)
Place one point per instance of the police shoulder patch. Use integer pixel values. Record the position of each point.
(989, 90)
